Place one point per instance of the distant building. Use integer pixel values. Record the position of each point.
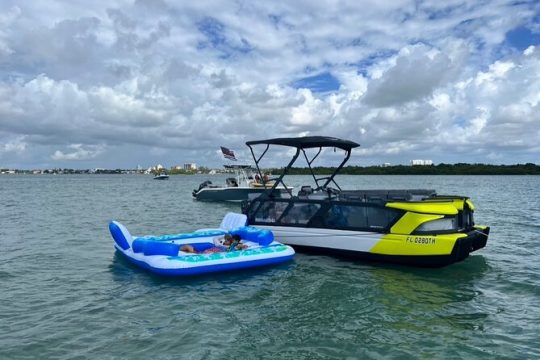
(422, 162)
(386, 165)
(190, 166)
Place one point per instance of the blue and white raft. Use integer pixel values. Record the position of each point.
(163, 255)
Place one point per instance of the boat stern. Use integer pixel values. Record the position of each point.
(475, 240)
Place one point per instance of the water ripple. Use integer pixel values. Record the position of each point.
(66, 295)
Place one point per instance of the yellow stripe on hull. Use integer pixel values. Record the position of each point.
(469, 202)
(410, 221)
(445, 208)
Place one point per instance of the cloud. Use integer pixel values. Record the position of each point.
(79, 152)
(6, 20)
(17, 145)
(166, 82)
(417, 71)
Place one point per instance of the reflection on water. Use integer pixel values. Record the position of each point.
(432, 287)
(431, 306)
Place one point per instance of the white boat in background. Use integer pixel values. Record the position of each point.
(243, 186)
(161, 176)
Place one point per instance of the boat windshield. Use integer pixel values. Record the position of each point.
(242, 173)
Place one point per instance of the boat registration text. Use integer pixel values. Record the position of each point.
(422, 240)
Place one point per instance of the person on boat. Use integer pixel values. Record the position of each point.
(257, 179)
(188, 248)
(265, 178)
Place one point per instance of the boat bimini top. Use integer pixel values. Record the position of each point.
(301, 144)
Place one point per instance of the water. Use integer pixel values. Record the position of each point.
(64, 294)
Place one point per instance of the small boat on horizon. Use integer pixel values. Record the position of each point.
(161, 176)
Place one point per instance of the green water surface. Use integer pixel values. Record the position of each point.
(64, 294)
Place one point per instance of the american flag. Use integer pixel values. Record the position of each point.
(228, 154)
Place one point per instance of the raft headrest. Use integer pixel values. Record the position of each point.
(233, 220)
(120, 234)
(263, 237)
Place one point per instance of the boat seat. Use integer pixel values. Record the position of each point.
(305, 191)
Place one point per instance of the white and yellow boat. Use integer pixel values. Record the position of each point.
(414, 227)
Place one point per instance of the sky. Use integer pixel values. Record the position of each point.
(117, 84)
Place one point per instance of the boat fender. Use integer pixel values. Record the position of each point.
(263, 237)
(120, 234)
(150, 247)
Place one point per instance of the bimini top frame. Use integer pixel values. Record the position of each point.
(234, 166)
(301, 144)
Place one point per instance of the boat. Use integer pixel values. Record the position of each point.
(412, 226)
(238, 188)
(161, 176)
(202, 251)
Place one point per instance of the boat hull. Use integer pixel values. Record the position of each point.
(422, 251)
(230, 193)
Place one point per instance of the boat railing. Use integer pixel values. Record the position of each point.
(320, 212)
(360, 210)
(387, 195)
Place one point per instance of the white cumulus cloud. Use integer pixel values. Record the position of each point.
(78, 152)
(139, 82)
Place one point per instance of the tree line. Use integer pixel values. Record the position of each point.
(440, 169)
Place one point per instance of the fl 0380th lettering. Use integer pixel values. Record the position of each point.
(422, 240)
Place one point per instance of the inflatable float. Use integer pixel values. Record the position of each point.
(230, 247)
